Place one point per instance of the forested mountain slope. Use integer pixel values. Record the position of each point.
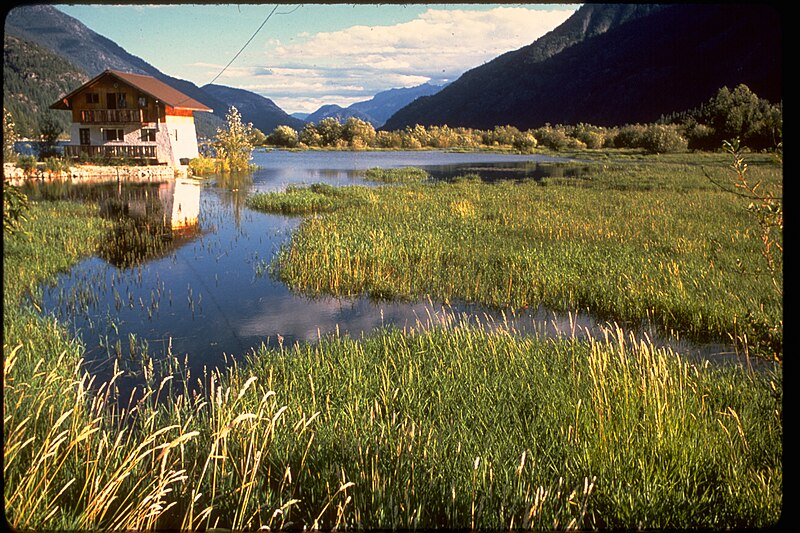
(615, 64)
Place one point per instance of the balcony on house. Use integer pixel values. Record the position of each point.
(116, 116)
(112, 151)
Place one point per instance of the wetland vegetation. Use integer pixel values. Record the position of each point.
(435, 425)
(656, 240)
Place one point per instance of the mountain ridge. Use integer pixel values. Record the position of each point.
(93, 53)
(377, 109)
(608, 64)
(261, 111)
(634, 67)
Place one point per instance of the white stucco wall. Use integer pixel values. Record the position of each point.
(176, 138)
(183, 138)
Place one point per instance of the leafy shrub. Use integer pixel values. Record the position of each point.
(525, 142)
(358, 133)
(15, 208)
(330, 130)
(202, 166)
(555, 138)
(388, 139)
(310, 136)
(629, 136)
(501, 135)
(56, 164)
(9, 136)
(740, 113)
(284, 136)
(700, 136)
(663, 138)
(234, 144)
(593, 137)
(27, 163)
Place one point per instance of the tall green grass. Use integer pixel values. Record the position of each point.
(444, 425)
(653, 240)
(396, 175)
(312, 199)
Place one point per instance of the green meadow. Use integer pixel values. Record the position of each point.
(440, 425)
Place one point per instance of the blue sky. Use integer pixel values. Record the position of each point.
(306, 55)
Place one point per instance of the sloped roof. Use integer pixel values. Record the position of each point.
(148, 85)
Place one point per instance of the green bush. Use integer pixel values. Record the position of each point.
(310, 136)
(202, 166)
(56, 164)
(27, 163)
(593, 137)
(700, 136)
(284, 136)
(525, 142)
(663, 138)
(555, 138)
(234, 144)
(15, 208)
(358, 133)
(9, 136)
(629, 136)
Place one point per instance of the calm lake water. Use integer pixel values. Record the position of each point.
(193, 279)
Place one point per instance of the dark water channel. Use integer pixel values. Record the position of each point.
(185, 270)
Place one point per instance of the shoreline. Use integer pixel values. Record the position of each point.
(14, 175)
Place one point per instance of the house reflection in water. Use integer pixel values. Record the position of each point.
(150, 220)
(181, 199)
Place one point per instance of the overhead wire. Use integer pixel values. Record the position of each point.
(247, 43)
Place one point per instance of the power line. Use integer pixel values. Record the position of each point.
(244, 46)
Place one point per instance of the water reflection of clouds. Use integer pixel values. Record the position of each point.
(360, 316)
(325, 315)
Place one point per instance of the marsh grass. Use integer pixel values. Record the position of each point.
(311, 199)
(396, 175)
(445, 426)
(440, 425)
(631, 241)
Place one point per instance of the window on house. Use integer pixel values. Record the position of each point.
(122, 101)
(113, 134)
(92, 98)
(142, 101)
(149, 134)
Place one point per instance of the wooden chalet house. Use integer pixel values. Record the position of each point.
(117, 114)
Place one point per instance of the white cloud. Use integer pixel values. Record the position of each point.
(353, 64)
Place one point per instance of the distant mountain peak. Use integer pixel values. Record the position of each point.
(377, 109)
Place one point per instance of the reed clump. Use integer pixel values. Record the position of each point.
(396, 175)
(446, 426)
(311, 199)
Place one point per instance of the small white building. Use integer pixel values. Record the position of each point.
(118, 114)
